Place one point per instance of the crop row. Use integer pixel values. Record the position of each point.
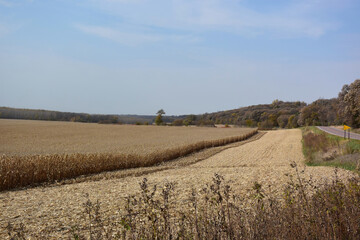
(20, 171)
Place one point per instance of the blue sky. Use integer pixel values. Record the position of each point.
(185, 56)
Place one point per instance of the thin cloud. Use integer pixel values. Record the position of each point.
(229, 16)
(237, 18)
(3, 30)
(6, 3)
(13, 3)
(132, 39)
(6, 29)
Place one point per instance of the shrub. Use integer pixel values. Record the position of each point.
(265, 125)
(249, 123)
(177, 122)
(315, 142)
(352, 146)
(305, 211)
(322, 149)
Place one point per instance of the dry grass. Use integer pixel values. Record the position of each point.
(18, 169)
(323, 149)
(304, 211)
(216, 212)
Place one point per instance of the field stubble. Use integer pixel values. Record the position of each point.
(36, 151)
(265, 161)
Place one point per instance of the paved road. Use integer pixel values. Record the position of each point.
(339, 132)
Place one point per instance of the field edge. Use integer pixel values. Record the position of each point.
(23, 171)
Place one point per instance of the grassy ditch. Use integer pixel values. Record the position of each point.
(305, 211)
(20, 171)
(323, 149)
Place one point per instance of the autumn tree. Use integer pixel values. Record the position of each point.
(189, 120)
(158, 119)
(282, 120)
(292, 122)
(249, 123)
(349, 98)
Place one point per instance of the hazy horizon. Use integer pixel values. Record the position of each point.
(186, 57)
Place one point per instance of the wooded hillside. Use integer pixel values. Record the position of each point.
(345, 109)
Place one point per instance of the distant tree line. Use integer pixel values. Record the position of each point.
(35, 114)
(345, 109)
(197, 120)
(278, 114)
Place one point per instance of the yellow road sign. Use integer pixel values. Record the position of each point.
(346, 127)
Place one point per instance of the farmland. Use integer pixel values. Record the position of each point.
(53, 211)
(36, 152)
(24, 137)
(75, 158)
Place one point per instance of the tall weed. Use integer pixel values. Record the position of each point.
(305, 211)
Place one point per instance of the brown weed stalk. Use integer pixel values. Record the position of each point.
(305, 211)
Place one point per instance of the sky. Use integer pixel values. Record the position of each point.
(184, 56)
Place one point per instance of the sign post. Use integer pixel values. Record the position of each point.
(346, 128)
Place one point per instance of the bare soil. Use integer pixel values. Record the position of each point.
(57, 208)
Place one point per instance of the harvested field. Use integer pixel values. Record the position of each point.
(26, 137)
(267, 161)
(23, 142)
